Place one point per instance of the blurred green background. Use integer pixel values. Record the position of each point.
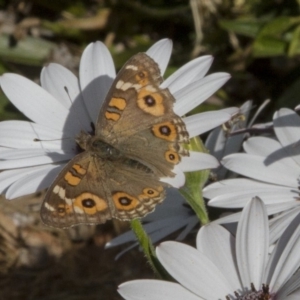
(256, 41)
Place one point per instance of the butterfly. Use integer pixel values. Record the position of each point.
(137, 140)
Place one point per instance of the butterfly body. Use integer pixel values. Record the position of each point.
(138, 140)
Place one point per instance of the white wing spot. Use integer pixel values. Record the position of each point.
(61, 192)
(119, 84)
(126, 86)
(132, 67)
(69, 201)
(151, 88)
(49, 207)
(136, 86)
(78, 210)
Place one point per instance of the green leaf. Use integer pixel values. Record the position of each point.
(246, 27)
(279, 26)
(294, 48)
(266, 46)
(271, 40)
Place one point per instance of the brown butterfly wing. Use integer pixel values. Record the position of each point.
(86, 192)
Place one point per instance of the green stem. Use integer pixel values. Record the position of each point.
(194, 197)
(192, 190)
(148, 249)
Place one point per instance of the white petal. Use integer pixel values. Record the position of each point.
(198, 161)
(157, 230)
(271, 150)
(271, 210)
(178, 180)
(240, 185)
(33, 101)
(203, 122)
(64, 85)
(54, 79)
(173, 205)
(231, 110)
(192, 71)
(279, 223)
(161, 53)
(23, 134)
(239, 199)
(287, 129)
(96, 73)
(252, 242)
(174, 225)
(15, 154)
(292, 285)
(255, 167)
(261, 146)
(227, 219)
(193, 270)
(154, 290)
(33, 182)
(191, 222)
(258, 111)
(150, 228)
(196, 92)
(294, 296)
(285, 259)
(58, 156)
(7, 178)
(210, 240)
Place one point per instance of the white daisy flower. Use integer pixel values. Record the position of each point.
(273, 168)
(223, 267)
(33, 152)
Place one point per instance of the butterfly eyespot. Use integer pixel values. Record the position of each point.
(172, 157)
(149, 101)
(61, 211)
(88, 203)
(142, 74)
(165, 130)
(125, 201)
(149, 193)
(141, 78)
